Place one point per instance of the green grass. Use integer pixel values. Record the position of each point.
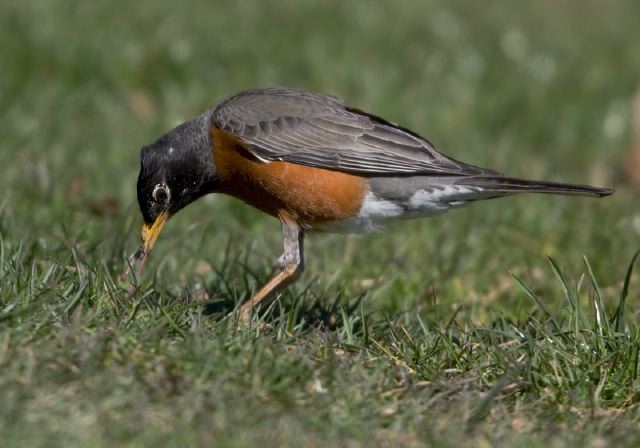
(513, 322)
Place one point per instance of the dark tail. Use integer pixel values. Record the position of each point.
(508, 185)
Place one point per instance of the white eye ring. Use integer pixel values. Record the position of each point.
(161, 194)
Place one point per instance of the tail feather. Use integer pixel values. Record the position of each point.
(509, 185)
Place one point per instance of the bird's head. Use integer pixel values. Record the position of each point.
(175, 170)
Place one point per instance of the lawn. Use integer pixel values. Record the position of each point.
(513, 322)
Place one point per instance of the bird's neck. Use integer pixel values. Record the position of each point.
(196, 134)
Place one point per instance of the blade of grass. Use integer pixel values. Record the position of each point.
(625, 292)
(601, 315)
(535, 298)
(573, 300)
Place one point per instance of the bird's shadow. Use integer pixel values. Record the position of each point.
(219, 308)
(301, 307)
(305, 309)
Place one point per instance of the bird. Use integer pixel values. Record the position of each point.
(316, 164)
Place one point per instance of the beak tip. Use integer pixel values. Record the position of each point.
(137, 260)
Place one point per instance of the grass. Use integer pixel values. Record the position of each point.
(513, 322)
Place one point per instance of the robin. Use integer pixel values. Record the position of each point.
(315, 164)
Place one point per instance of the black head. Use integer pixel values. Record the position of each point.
(175, 170)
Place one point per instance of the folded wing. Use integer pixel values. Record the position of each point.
(278, 124)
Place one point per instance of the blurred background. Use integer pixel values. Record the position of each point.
(538, 89)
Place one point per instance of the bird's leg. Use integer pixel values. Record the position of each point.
(291, 265)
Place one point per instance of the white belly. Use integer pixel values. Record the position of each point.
(376, 212)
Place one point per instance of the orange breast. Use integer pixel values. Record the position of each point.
(305, 194)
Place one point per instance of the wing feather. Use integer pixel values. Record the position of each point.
(279, 124)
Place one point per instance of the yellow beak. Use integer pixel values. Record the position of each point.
(150, 232)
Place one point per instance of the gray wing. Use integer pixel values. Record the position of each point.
(279, 124)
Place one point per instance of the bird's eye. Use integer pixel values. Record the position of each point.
(161, 194)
